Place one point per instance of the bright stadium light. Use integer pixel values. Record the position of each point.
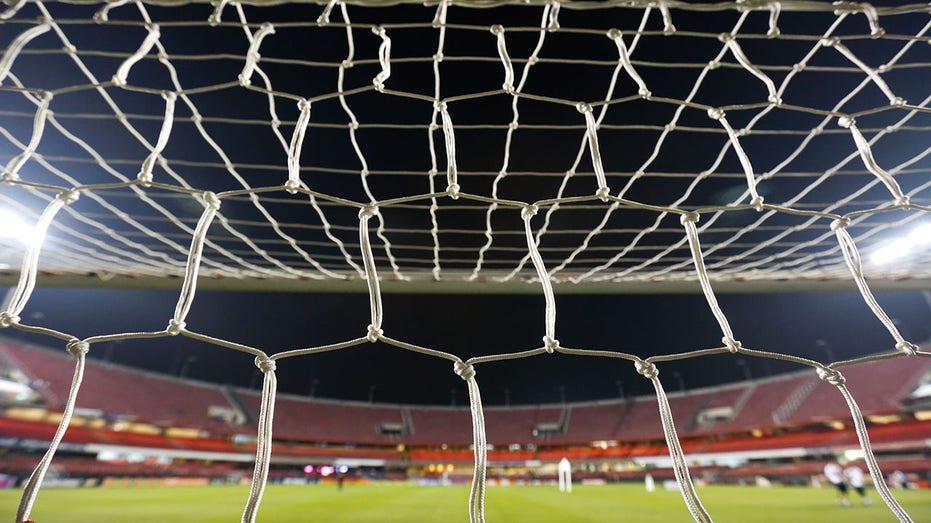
(917, 238)
(891, 251)
(14, 227)
(921, 235)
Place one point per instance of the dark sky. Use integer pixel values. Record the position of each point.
(469, 325)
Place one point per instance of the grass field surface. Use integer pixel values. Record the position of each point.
(410, 504)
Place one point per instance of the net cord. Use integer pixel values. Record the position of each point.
(17, 45)
(680, 467)
(835, 378)
(31, 487)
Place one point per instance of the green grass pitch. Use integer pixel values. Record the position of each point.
(404, 503)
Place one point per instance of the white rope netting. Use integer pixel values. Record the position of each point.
(563, 144)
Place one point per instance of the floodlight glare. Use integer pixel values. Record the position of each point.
(891, 251)
(921, 235)
(13, 226)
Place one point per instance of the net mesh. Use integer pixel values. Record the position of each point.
(520, 147)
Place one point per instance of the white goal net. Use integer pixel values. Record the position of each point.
(478, 146)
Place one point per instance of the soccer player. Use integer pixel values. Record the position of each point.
(835, 474)
(898, 479)
(854, 476)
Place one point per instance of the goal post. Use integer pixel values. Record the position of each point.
(542, 147)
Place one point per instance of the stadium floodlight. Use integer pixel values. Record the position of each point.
(921, 235)
(917, 238)
(892, 251)
(14, 227)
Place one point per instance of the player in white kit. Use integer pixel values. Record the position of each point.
(835, 474)
(854, 476)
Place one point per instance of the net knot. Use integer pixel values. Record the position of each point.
(145, 178)
(550, 344)
(69, 197)
(217, 15)
(78, 348)
(840, 223)
(211, 200)
(175, 327)
(7, 319)
(244, 80)
(733, 346)
(715, 113)
(689, 217)
(529, 212)
(614, 33)
(292, 186)
(453, 190)
(368, 211)
(903, 346)
(725, 37)
(583, 107)
(554, 16)
(265, 364)
(830, 42)
(465, 370)
(439, 106)
(496, 29)
(897, 101)
(646, 369)
(903, 201)
(846, 122)
(602, 193)
(831, 376)
(757, 203)
(374, 334)
(438, 57)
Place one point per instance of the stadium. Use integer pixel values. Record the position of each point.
(140, 428)
(465, 260)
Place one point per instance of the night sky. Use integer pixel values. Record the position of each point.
(470, 325)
